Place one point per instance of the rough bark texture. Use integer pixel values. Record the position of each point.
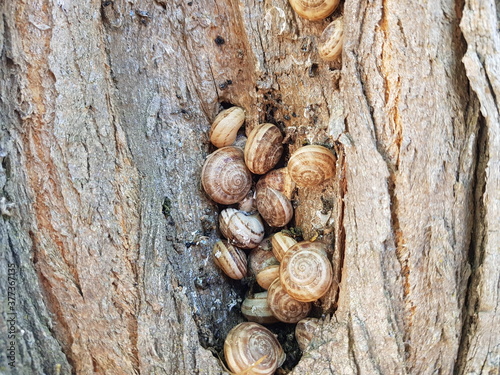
(105, 109)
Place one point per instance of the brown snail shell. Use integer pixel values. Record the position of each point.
(305, 271)
(281, 243)
(241, 229)
(263, 148)
(230, 259)
(314, 9)
(259, 258)
(248, 204)
(251, 348)
(268, 275)
(278, 179)
(274, 207)
(311, 165)
(225, 177)
(226, 125)
(304, 331)
(256, 309)
(283, 306)
(331, 40)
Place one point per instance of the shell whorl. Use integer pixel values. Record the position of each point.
(248, 343)
(274, 207)
(331, 40)
(314, 9)
(230, 259)
(264, 148)
(241, 229)
(225, 126)
(305, 271)
(311, 165)
(283, 306)
(225, 177)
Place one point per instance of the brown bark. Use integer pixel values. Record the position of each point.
(105, 110)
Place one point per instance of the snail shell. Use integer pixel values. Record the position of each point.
(230, 259)
(304, 331)
(283, 306)
(281, 243)
(241, 229)
(311, 165)
(226, 125)
(331, 40)
(259, 258)
(274, 207)
(263, 148)
(268, 275)
(248, 204)
(251, 348)
(256, 309)
(278, 179)
(305, 271)
(314, 9)
(225, 177)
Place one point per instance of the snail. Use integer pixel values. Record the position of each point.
(280, 244)
(260, 258)
(248, 203)
(251, 348)
(304, 331)
(278, 179)
(305, 271)
(331, 40)
(225, 177)
(268, 275)
(226, 125)
(311, 165)
(241, 229)
(263, 148)
(256, 309)
(284, 307)
(274, 207)
(230, 259)
(314, 9)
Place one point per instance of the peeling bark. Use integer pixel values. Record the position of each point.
(105, 112)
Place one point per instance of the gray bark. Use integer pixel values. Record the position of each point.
(105, 111)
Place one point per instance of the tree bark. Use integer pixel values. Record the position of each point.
(106, 231)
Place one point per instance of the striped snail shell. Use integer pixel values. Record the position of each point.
(241, 229)
(263, 148)
(256, 309)
(281, 243)
(226, 125)
(278, 179)
(305, 271)
(304, 331)
(314, 9)
(250, 348)
(259, 258)
(283, 306)
(274, 207)
(225, 177)
(331, 40)
(230, 259)
(311, 165)
(268, 275)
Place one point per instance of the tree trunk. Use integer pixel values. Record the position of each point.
(107, 233)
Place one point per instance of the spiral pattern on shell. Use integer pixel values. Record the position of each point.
(225, 177)
(304, 331)
(274, 207)
(256, 309)
(305, 271)
(230, 259)
(278, 179)
(225, 126)
(250, 344)
(314, 9)
(283, 306)
(241, 229)
(311, 165)
(280, 244)
(331, 40)
(263, 148)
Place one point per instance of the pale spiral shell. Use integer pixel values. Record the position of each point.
(250, 348)
(278, 179)
(314, 9)
(264, 148)
(283, 306)
(311, 165)
(259, 258)
(256, 309)
(331, 40)
(305, 330)
(305, 271)
(230, 259)
(280, 244)
(274, 207)
(268, 275)
(225, 126)
(225, 177)
(241, 229)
